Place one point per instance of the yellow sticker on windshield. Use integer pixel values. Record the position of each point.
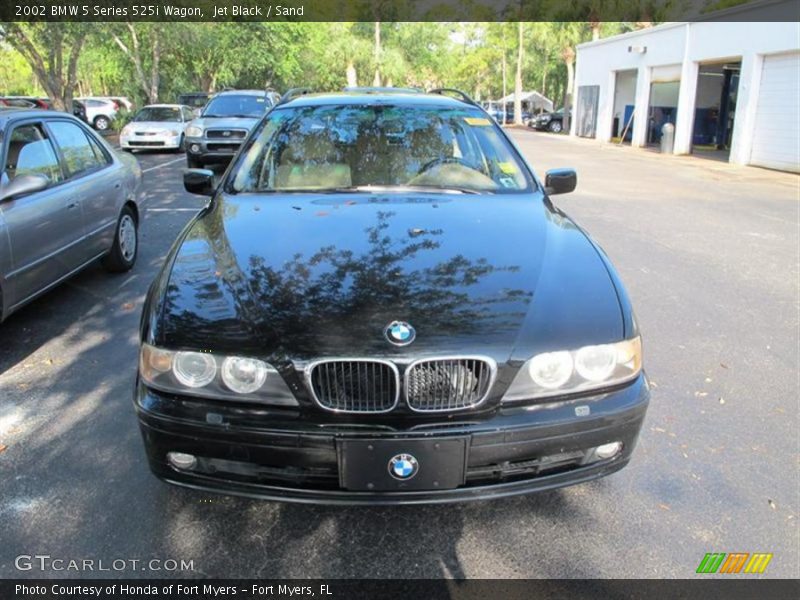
(478, 121)
(508, 168)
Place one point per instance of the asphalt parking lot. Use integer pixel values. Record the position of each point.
(709, 253)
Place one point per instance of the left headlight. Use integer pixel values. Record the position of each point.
(126, 130)
(194, 131)
(214, 376)
(567, 372)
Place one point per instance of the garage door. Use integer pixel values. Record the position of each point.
(776, 139)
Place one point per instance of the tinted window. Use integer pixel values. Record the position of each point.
(79, 155)
(159, 113)
(30, 153)
(232, 105)
(334, 147)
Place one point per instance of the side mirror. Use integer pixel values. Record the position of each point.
(24, 184)
(196, 112)
(199, 181)
(560, 181)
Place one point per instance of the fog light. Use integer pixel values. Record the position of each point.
(179, 460)
(194, 148)
(608, 450)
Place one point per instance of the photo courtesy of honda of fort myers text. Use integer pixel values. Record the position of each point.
(404, 299)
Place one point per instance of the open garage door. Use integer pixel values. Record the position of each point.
(777, 124)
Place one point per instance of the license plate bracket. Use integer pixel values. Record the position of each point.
(369, 465)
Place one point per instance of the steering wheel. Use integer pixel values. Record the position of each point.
(446, 160)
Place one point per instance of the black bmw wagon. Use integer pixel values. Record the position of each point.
(381, 304)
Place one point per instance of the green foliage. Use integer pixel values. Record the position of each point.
(322, 56)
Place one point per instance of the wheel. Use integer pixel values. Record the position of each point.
(193, 163)
(555, 126)
(101, 123)
(126, 244)
(181, 145)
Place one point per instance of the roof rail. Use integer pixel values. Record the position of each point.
(294, 93)
(454, 92)
(383, 90)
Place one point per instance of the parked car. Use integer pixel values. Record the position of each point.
(194, 99)
(99, 112)
(25, 102)
(549, 121)
(215, 136)
(13, 102)
(497, 114)
(66, 199)
(381, 304)
(157, 126)
(79, 110)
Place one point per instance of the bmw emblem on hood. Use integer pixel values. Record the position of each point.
(400, 333)
(403, 467)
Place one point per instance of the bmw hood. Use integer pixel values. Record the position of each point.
(303, 276)
(225, 122)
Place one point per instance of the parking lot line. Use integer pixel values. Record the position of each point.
(162, 165)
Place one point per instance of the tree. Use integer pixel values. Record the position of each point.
(518, 78)
(52, 50)
(132, 47)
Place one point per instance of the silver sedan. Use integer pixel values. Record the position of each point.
(66, 200)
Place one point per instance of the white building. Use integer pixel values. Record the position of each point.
(731, 89)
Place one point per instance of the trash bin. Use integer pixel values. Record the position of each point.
(667, 138)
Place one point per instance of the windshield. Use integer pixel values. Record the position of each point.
(361, 147)
(236, 106)
(159, 113)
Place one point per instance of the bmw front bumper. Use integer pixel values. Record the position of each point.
(512, 451)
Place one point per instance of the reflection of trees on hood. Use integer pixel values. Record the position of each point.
(337, 289)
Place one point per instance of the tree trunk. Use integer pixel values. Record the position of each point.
(352, 75)
(376, 81)
(569, 61)
(505, 68)
(595, 25)
(518, 81)
(155, 75)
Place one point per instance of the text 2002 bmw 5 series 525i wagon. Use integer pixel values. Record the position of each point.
(380, 304)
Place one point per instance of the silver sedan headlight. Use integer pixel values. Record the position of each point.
(194, 131)
(570, 371)
(239, 378)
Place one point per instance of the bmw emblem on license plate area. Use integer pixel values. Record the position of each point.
(403, 467)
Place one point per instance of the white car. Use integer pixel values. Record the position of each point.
(156, 126)
(99, 112)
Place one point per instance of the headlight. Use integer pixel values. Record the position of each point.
(213, 376)
(567, 372)
(126, 131)
(243, 375)
(194, 131)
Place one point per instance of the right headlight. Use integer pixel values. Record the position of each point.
(570, 371)
(188, 372)
(194, 131)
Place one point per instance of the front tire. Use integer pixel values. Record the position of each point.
(555, 127)
(101, 123)
(181, 145)
(126, 244)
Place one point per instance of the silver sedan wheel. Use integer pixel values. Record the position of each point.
(127, 237)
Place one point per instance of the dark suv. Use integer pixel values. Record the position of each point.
(227, 118)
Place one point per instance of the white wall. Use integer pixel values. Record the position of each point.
(685, 46)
